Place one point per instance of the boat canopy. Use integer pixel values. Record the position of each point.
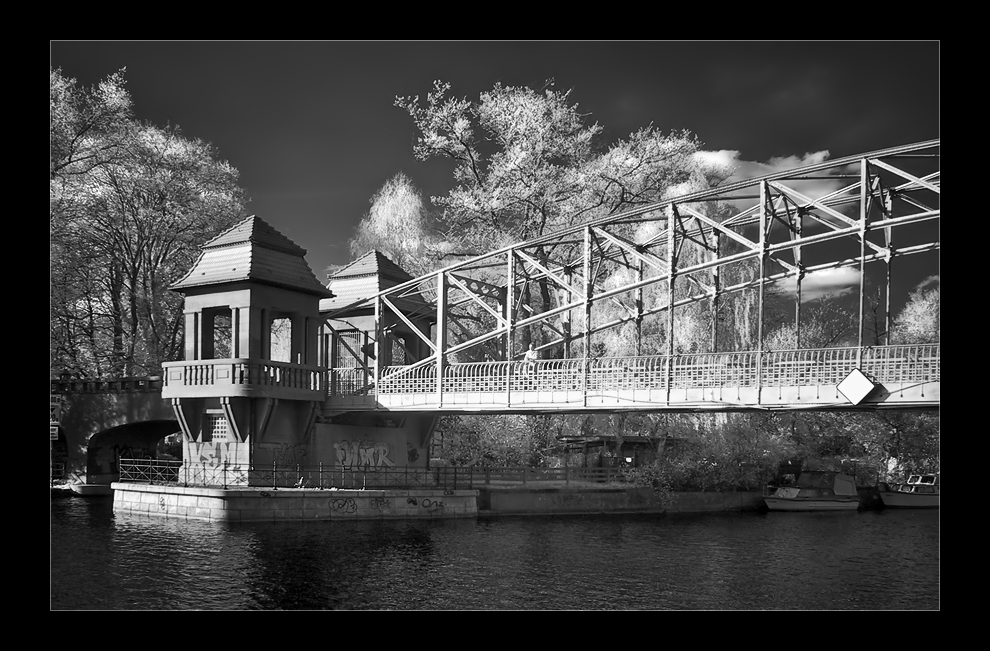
(841, 484)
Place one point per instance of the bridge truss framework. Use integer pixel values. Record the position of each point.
(626, 275)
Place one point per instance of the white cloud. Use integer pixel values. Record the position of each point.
(723, 157)
(743, 170)
(822, 283)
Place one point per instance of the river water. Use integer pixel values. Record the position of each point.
(869, 560)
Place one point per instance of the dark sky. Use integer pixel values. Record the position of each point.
(312, 128)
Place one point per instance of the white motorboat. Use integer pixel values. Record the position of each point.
(816, 490)
(918, 492)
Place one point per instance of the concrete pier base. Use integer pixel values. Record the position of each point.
(290, 504)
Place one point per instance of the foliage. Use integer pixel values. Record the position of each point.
(89, 127)
(397, 225)
(482, 441)
(130, 205)
(825, 323)
(895, 443)
(527, 162)
(918, 322)
(725, 453)
(655, 475)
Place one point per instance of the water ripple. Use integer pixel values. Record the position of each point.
(741, 561)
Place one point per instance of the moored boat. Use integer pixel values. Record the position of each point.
(918, 492)
(91, 490)
(816, 490)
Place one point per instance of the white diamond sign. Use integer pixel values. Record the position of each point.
(856, 386)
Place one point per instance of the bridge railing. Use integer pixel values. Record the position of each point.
(161, 472)
(150, 383)
(905, 364)
(822, 367)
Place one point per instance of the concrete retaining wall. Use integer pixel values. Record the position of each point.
(267, 505)
(536, 501)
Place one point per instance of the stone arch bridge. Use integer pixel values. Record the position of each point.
(104, 420)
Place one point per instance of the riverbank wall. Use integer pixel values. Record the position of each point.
(302, 504)
(290, 504)
(608, 499)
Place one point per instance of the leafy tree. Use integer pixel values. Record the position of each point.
(899, 442)
(397, 225)
(89, 127)
(918, 322)
(526, 163)
(130, 205)
(825, 323)
(483, 441)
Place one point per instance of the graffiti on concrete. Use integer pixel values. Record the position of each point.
(346, 505)
(357, 455)
(380, 503)
(285, 455)
(432, 505)
(211, 455)
(412, 453)
(103, 459)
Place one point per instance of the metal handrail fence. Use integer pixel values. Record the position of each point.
(162, 472)
(827, 366)
(57, 472)
(150, 471)
(473, 477)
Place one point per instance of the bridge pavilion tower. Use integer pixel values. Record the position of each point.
(251, 386)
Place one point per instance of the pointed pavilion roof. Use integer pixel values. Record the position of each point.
(252, 250)
(370, 274)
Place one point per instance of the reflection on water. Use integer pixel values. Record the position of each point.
(834, 561)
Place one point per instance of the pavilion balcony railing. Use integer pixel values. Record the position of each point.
(241, 373)
(175, 473)
(914, 363)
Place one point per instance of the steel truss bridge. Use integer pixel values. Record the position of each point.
(632, 282)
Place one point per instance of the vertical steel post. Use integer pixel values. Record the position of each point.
(510, 304)
(763, 218)
(671, 271)
(889, 258)
(716, 283)
(639, 309)
(864, 210)
(566, 316)
(441, 333)
(795, 234)
(331, 361)
(377, 347)
(588, 289)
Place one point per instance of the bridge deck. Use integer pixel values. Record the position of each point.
(903, 376)
(899, 377)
